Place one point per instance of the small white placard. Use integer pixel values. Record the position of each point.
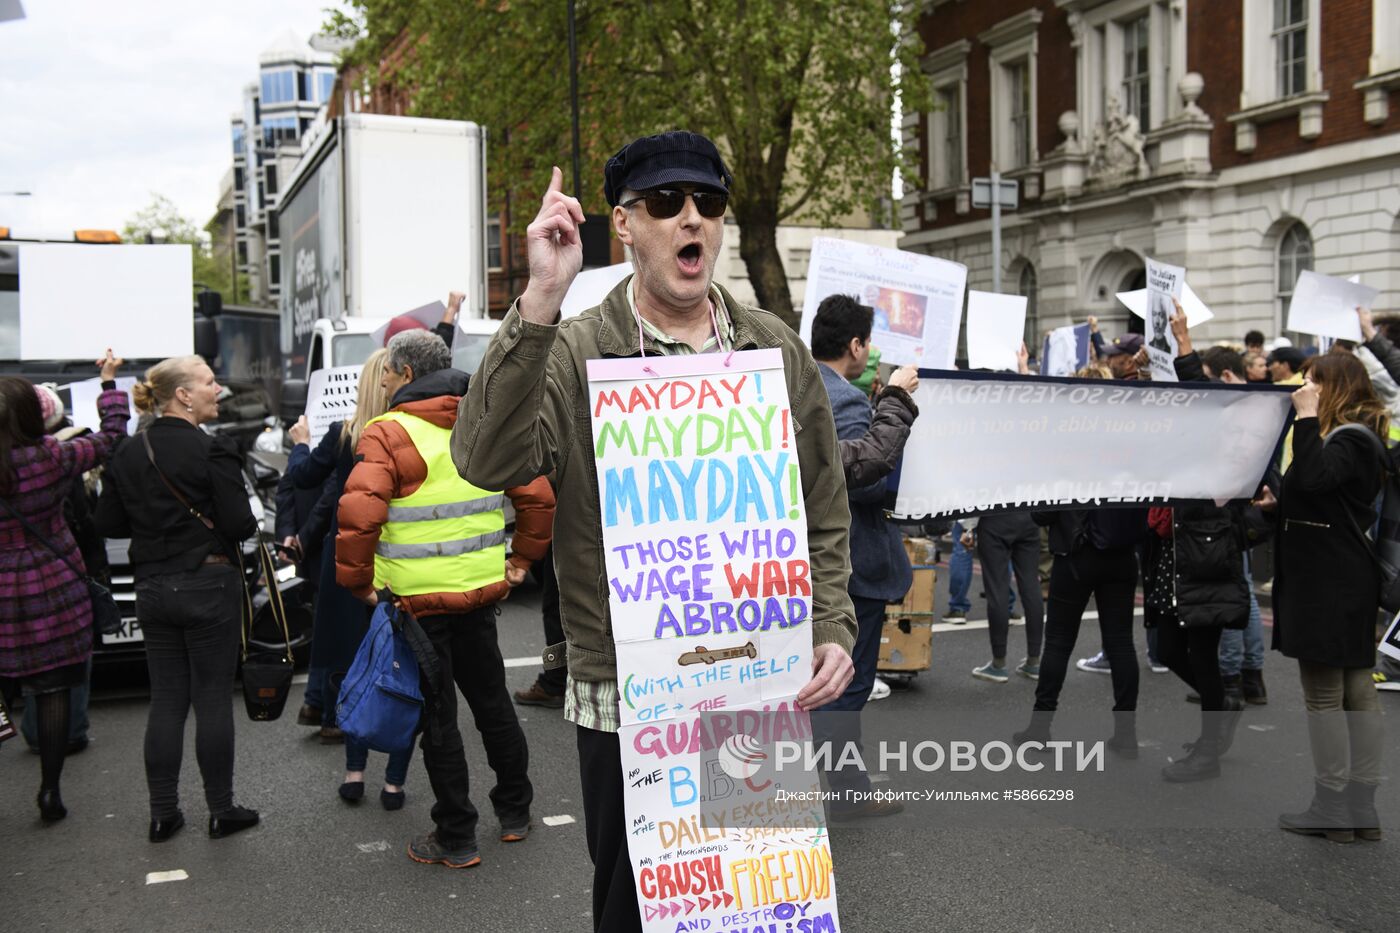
(1326, 305)
(330, 397)
(996, 327)
(76, 301)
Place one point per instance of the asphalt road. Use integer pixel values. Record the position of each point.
(317, 864)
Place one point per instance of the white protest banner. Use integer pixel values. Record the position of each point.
(1195, 308)
(429, 315)
(709, 597)
(983, 443)
(917, 298)
(591, 286)
(330, 397)
(1326, 305)
(76, 301)
(1163, 284)
(1066, 350)
(996, 328)
(82, 405)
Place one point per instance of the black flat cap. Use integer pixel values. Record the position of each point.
(678, 157)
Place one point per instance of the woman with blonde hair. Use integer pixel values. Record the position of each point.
(45, 609)
(179, 495)
(341, 619)
(1327, 590)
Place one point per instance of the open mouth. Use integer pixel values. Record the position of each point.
(689, 258)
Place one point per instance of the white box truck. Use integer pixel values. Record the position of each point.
(381, 214)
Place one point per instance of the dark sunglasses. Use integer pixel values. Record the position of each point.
(663, 203)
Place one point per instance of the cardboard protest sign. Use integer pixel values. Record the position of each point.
(917, 298)
(1195, 308)
(709, 597)
(76, 301)
(82, 406)
(1164, 284)
(429, 315)
(1066, 350)
(1326, 306)
(985, 443)
(996, 327)
(330, 397)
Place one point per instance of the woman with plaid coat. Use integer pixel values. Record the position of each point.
(45, 610)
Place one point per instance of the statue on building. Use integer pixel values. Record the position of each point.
(1116, 148)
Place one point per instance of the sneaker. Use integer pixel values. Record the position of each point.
(1016, 615)
(515, 832)
(1385, 682)
(880, 690)
(1027, 670)
(1157, 667)
(1098, 664)
(990, 671)
(537, 696)
(955, 617)
(426, 850)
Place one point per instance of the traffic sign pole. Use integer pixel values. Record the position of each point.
(996, 230)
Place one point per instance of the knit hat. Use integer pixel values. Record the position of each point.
(51, 405)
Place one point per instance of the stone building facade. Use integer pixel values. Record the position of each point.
(1242, 139)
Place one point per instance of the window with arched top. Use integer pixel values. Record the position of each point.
(1295, 254)
(1028, 285)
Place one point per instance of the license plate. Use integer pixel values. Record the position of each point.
(130, 633)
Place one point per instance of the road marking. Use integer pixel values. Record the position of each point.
(160, 877)
(380, 846)
(562, 820)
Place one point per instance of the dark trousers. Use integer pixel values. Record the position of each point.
(1193, 654)
(191, 623)
(1013, 540)
(605, 826)
(551, 681)
(1110, 577)
(469, 656)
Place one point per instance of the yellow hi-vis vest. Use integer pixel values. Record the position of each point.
(448, 536)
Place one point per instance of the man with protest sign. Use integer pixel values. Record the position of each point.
(524, 417)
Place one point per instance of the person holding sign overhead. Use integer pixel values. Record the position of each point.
(523, 417)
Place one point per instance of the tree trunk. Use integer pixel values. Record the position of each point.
(758, 247)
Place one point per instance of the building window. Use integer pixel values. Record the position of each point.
(1295, 254)
(277, 130)
(272, 225)
(951, 100)
(1137, 75)
(1012, 58)
(1018, 89)
(945, 146)
(1290, 36)
(279, 87)
(493, 242)
(274, 271)
(238, 178)
(326, 79)
(238, 139)
(240, 217)
(242, 253)
(271, 171)
(1029, 286)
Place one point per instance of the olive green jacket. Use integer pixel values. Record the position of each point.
(526, 414)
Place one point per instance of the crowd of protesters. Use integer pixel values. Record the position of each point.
(406, 497)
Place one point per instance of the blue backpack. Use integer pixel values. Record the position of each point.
(381, 701)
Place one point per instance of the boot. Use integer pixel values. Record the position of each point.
(1234, 687)
(1037, 731)
(1252, 683)
(1228, 721)
(1201, 764)
(1124, 742)
(1361, 800)
(1328, 815)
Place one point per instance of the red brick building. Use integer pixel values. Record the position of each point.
(1242, 139)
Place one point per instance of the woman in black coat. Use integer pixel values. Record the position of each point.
(1326, 590)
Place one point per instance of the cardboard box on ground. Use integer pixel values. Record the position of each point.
(906, 642)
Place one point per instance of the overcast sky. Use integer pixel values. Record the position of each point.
(103, 103)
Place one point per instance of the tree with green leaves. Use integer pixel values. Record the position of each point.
(161, 222)
(797, 95)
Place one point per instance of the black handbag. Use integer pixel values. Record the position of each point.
(266, 675)
(106, 617)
